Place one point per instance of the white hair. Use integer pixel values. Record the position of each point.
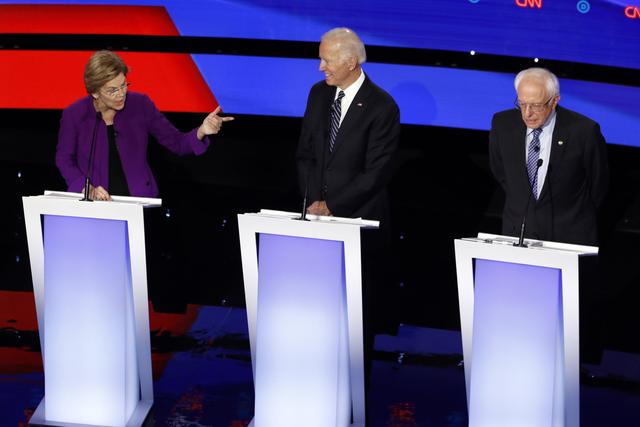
(350, 43)
(552, 85)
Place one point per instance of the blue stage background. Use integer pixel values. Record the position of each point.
(591, 32)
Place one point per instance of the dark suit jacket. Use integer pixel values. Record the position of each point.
(352, 180)
(575, 185)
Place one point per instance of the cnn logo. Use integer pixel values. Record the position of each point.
(529, 3)
(632, 12)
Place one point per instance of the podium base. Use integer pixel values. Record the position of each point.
(137, 419)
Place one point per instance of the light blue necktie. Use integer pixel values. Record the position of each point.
(533, 155)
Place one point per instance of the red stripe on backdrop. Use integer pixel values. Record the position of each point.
(53, 80)
(86, 19)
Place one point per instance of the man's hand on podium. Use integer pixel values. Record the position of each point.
(319, 207)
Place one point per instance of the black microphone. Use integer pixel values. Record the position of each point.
(92, 149)
(303, 216)
(526, 209)
(325, 147)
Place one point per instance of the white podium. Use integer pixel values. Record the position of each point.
(89, 275)
(303, 288)
(520, 331)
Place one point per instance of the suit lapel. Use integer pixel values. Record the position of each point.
(558, 142)
(354, 114)
(324, 111)
(520, 156)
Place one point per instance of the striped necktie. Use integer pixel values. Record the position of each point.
(533, 154)
(336, 111)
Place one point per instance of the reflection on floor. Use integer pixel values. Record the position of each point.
(202, 373)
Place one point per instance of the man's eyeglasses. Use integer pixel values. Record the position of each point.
(112, 92)
(536, 107)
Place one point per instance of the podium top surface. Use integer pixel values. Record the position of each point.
(363, 223)
(146, 202)
(496, 239)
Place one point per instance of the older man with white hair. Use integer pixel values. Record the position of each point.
(551, 163)
(350, 131)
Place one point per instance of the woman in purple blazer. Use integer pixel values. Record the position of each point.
(120, 123)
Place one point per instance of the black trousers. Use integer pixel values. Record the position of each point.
(377, 304)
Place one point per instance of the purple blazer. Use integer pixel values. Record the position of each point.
(132, 124)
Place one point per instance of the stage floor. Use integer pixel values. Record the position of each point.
(201, 359)
(202, 373)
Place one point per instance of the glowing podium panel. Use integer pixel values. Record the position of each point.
(88, 266)
(520, 331)
(303, 288)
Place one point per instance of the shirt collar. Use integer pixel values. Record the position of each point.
(353, 88)
(551, 120)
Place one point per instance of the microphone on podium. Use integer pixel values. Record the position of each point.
(303, 215)
(526, 209)
(92, 149)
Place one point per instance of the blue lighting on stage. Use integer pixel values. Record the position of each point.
(433, 96)
(600, 32)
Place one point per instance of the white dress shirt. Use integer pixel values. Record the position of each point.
(349, 94)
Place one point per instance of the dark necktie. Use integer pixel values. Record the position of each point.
(533, 155)
(336, 111)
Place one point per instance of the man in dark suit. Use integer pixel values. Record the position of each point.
(350, 132)
(549, 160)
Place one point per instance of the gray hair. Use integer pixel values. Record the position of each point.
(350, 43)
(549, 79)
